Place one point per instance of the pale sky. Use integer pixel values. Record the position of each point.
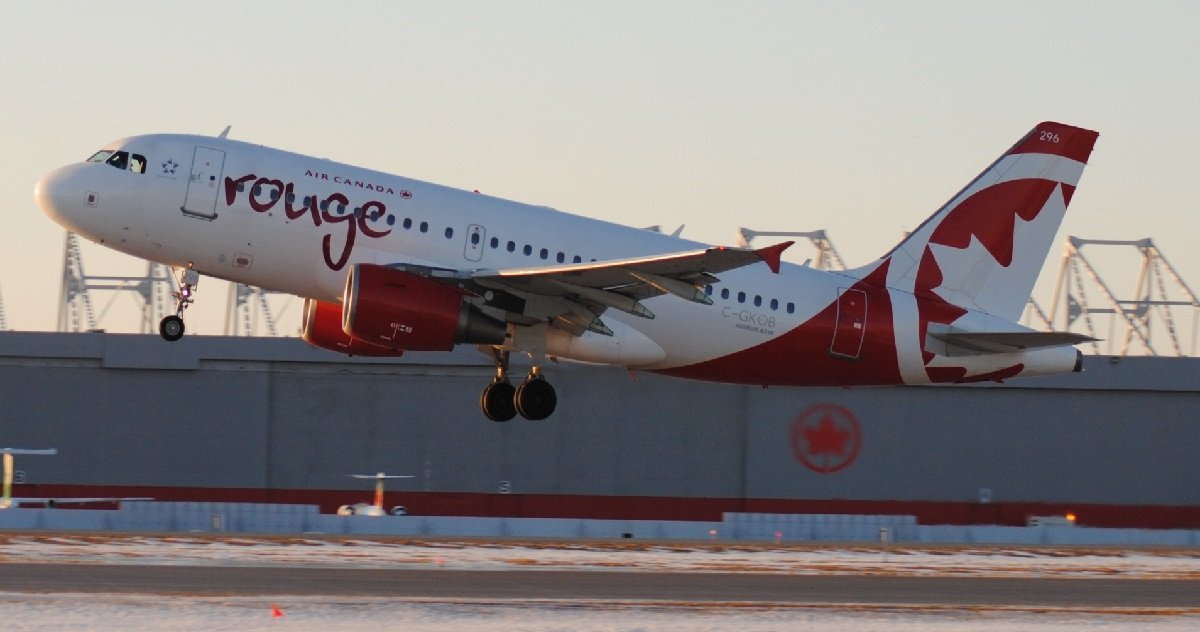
(860, 118)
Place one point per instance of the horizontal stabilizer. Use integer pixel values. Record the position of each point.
(1005, 342)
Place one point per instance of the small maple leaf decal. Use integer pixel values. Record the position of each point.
(826, 438)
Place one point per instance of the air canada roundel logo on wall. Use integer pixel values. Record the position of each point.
(826, 438)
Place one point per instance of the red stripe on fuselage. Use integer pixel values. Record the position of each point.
(802, 357)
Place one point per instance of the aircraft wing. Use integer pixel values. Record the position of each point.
(572, 296)
(622, 283)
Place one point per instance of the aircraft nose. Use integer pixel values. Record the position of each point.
(56, 195)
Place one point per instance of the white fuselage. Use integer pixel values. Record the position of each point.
(309, 220)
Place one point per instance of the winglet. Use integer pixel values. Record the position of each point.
(772, 254)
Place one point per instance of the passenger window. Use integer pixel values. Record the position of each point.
(450, 233)
(137, 163)
(424, 227)
(528, 250)
(495, 243)
(544, 253)
(577, 259)
(741, 297)
(474, 238)
(757, 301)
(791, 308)
(407, 223)
(512, 246)
(561, 257)
(774, 304)
(725, 293)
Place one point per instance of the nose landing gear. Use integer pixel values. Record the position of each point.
(534, 399)
(171, 328)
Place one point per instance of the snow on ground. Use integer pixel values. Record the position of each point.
(29, 612)
(623, 555)
(36, 611)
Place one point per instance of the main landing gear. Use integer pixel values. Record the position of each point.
(534, 399)
(171, 327)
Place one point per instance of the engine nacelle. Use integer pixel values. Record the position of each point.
(323, 328)
(393, 309)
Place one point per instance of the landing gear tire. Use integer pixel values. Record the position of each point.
(535, 399)
(171, 328)
(497, 401)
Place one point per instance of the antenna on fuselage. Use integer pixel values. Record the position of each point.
(224, 132)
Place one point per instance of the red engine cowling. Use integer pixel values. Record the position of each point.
(323, 328)
(397, 310)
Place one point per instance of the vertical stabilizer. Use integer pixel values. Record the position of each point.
(984, 248)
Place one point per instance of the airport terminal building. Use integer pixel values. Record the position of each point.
(273, 420)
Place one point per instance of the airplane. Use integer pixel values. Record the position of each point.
(8, 502)
(388, 264)
(375, 508)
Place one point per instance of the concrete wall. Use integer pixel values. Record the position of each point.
(197, 517)
(275, 414)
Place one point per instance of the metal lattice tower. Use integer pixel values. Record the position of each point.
(248, 308)
(76, 311)
(1160, 292)
(827, 256)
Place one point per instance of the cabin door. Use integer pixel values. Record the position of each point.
(851, 324)
(204, 183)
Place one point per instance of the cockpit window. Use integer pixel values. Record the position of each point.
(119, 159)
(122, 160)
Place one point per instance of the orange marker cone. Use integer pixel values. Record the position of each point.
(276, 612)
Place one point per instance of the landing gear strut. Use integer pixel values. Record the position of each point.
(497, 398)
(534, 399)
(171, 327)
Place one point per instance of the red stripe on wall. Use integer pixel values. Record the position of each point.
(650, 507)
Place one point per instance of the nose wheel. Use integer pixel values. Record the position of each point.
(535, 399)
(171, 328)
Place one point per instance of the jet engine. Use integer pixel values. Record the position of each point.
(400, 311)
(323, 328)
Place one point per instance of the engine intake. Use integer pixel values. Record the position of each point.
(400, 311)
